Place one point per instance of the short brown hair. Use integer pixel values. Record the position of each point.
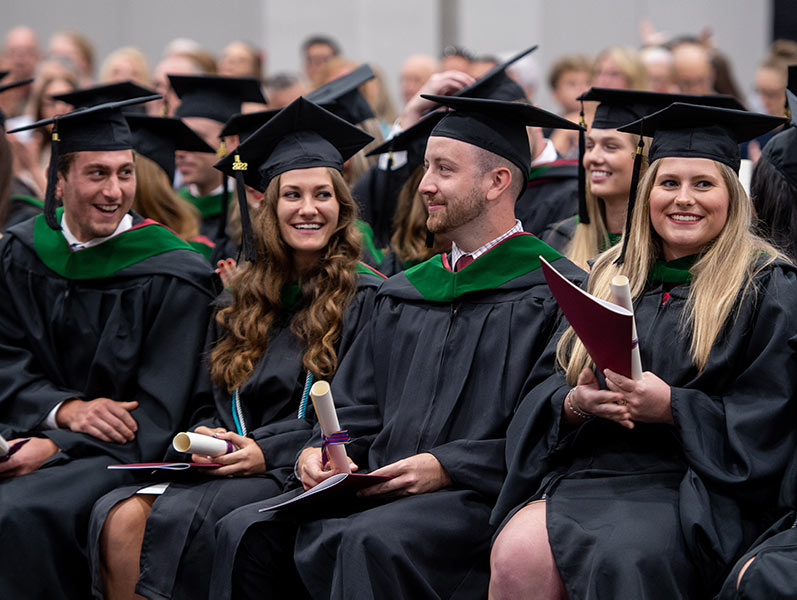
(565, 64)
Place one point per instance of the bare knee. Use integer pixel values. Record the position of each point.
(743, 570)
(126, 522)
(521, 561)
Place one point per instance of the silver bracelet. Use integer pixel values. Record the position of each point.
(574, 407)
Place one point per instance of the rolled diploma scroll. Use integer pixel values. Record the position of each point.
(622, 297)
(199, 443)
(328, 419)
(3, 446)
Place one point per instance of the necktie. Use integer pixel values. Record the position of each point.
(463, 262)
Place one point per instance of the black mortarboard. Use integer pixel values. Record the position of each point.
(301, 136)
(102, 94)
(791, 93)
(496, 84)
(245, 124)
(97, 128)
(620, 107)
(693, 131)
(413, 140)
(10, 86)
(158, 138)
(696, 131)
(342, 97)
(495, 125)
(213, 96)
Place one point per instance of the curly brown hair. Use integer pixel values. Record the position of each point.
(257, 292)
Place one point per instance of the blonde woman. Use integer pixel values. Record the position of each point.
(289, 317)
(608, 167)
(622, 488)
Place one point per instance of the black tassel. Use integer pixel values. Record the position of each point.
(221, 230)
(631, 198)
(50, 202)
(583, 214)
(247, 238)
(429, 239)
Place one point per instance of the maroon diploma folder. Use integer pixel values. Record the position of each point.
(603, 327)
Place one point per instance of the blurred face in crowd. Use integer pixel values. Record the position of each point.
(569, 86)
(97, 191)
(315, 57)
(197, 167)
(51, 107)
(688, 205)
(21, 52)
(609, 75)
(63, 45)
(692, 68)
(770, 85)
(609, 162)
(414, 73)
(237, 60)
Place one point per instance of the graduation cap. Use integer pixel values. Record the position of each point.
(245, 124)
(301, 136)
(495, 125)
(791, 93)
(496, 84)
(213, 96)
(692, 131)
(102, 94)
(342, 97)
(620, 107)
(217, 98)
(97, 128)
(158, 138)
(10, 86)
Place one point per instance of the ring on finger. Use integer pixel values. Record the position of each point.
(620, 402)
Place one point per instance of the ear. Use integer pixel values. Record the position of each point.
(59, 186)
(498, 181)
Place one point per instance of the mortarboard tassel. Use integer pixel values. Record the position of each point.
(429, 239)
(50, 202)
(247, 237)
(631, 198)
(583, 214)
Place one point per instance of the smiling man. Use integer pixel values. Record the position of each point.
(103, 321)
(426, 392)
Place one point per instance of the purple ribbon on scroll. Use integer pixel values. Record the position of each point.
(14, 447)
(339, 437)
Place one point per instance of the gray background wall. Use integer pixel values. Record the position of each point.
(385, 32)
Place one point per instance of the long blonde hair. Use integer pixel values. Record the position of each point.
(257, 292)
(721, 278)
(155, 198)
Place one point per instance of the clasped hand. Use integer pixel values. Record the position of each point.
(626, 400)
(248, 459)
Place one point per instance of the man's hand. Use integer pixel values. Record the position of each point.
(103, 418)
(29, 457)
(312, 472)
(248, 459)
(417, 474)
(439, 84)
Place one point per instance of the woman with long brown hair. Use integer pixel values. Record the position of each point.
(652, 487)
(291, 313)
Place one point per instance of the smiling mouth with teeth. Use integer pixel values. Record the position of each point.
(307, 226)
(685, 218)
(106, 209)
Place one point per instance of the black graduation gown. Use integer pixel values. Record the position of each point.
(178, 546)
(559, 234)
(135, 334)
(551, 195)
(210, 210)
(440, 369)
(21, 208)
(661, 511)
(376, 193)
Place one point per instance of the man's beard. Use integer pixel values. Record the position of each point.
(457, 212)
